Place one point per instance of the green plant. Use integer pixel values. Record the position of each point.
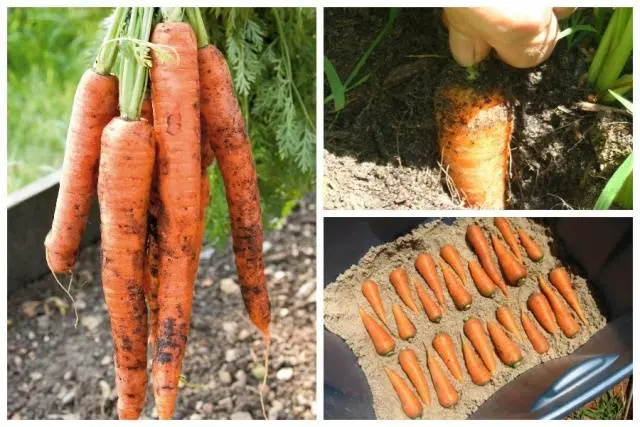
(339, 88)
(576, 28)
(608, 407)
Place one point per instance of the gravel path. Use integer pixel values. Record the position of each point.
(57, 371)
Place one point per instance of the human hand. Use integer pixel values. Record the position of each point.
(521, 36)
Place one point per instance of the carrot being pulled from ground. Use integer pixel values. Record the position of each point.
(459, 294)
(531, 248)
(540, 308)
(452, 257)
(475, 332)
(406, 328)
(476, 238)
(431, 307)
(411, 366)
(503, 225)
(443, 345)
(506, 318)
(536, 338)
(565, 319)
(478, 372)
(382, 341)
(410, 403)
(94, 105)
(447, 394)
(508, 352)
(427, 268)
(400, 282)
(483, 282)
(560, 279)
(371, 292)
(513, 270)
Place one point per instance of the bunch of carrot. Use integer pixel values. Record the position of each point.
(147, 160)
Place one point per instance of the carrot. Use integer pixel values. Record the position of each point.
(474, 125)
(459, 294)
(484, 284)
(382, 341)
(406, 328)
(512, 269)
(506, 319)
(480, 246)
(150, 280)
(400, 282)
(503, 225)
(506, 349)
(175, 99)
(410, 403)
(559, 278)
(410, 365)
(433, 310)
(447, 394)
(479, 373)
(452, 257)
(475, 332)
(530, 246)
(427, 269)
(372, 294)
(540, 308)
(565, 319)
(443, 345)
(146, 112)
(537, 340)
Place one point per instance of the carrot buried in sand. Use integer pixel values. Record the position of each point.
(480, 245)
(382, 341)
(94, 105)
(540, 308)
(400, 282)
(531, 248)
(536, 338)
(479, 373)
(475, 332)
(503, 225)
(474, 124)
(513, 270)
(371, 292)
(427, 268)
(443, 345)
(507, 350)
(459, 294)
(433, 310)
(410, 403)
(447, 394)
(411, 366)
(484, 284)
(567, 323)
(452, 257)
(506, 319)
(124, 181)
(406, 329)
(560, 279)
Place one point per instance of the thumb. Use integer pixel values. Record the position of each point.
(467, 51)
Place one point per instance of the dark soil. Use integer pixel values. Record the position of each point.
(57, 371)
(380, 151)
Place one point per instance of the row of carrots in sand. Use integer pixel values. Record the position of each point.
(547, 307)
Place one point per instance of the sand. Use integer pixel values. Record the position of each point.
(343, 297)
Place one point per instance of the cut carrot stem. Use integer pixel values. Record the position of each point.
(565, 319)
(427, 269)
(540, 308)
(410, 403)
(508, 352)
(536, 338)
(406, 328)
(475, 332)
(371, 292)
(382, 341)
(503, 225)
(508, 321)
(479, 373)
(411, 367)
(513, 270)
(400, 282)
(533, 250)
(447, 394)
(443, 345)
(452, 257)
(431, 307)
(483, 282)
(559, 278)
(459, 294)
(480, 245)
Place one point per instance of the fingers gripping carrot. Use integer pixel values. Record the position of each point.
(400, 282)
(427, 268)
(480, 245)
(503, 225)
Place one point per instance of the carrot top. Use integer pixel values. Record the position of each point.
(197, 23)
(106, 58)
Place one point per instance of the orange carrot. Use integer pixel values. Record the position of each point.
(459, 294)
(478, 242)
(443, 345)
(479, 373)
(540, 308)
(406, 328)
(411, 366)
(447, 394)
(400, 282)
(146, 112)
(372, 294)
(433, 310)
(506, 349)
(484, 284)
(512, 269)
(452, 257)
(537, 340)
(475, 332)
(503, 225)
(565, 319)
(530, 246)
(150, 280)
(474, 125)
(559, 278)
(410, 403)
(427, 269)
(506, 319)
(382, 341)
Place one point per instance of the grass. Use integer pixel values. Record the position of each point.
(48, 50)
(608, 407)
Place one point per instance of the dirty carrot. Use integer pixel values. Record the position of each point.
(506, 318)
(513, 270)
(475, 332)
(559, 278)
(479, 373)
(484, 284)
(406, 328)
(411, 367)
(459, 294)
(371, 292)
(410, 403)
(536, 338)
(480, 245)
(382, 341)
(565, 319)
(447, 394)
(452, 257)
(533, 250)
(507, 350)
(503, 225)
(433, 310)
(400, 282)
(427, 268)
(540, 308)
(443, 345)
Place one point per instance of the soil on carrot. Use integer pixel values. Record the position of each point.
(381, 152)
(56, 371)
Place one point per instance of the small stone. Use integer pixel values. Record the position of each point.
(284, 374)
(275, 409)
(106, 360)
(225, 377)
(46, 338)
(239, 416)
(30, 308)
(31, 335)
(279, 275)
(241, 376)
(199, 404)
(195, 417)
(206, 253)
(228, 286)
(231, 355)
(17, 360)
(43, 322)
(154, 412)
(91, 322)
(305, 290)
(258, 372)
(244, 334)
(226, 404)
(207, 408)
(24, 388)
(36, 376)
(283, 312)
(67, 398)
(67, 376)
(230, 327)
(266, 246)
(207, 282)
